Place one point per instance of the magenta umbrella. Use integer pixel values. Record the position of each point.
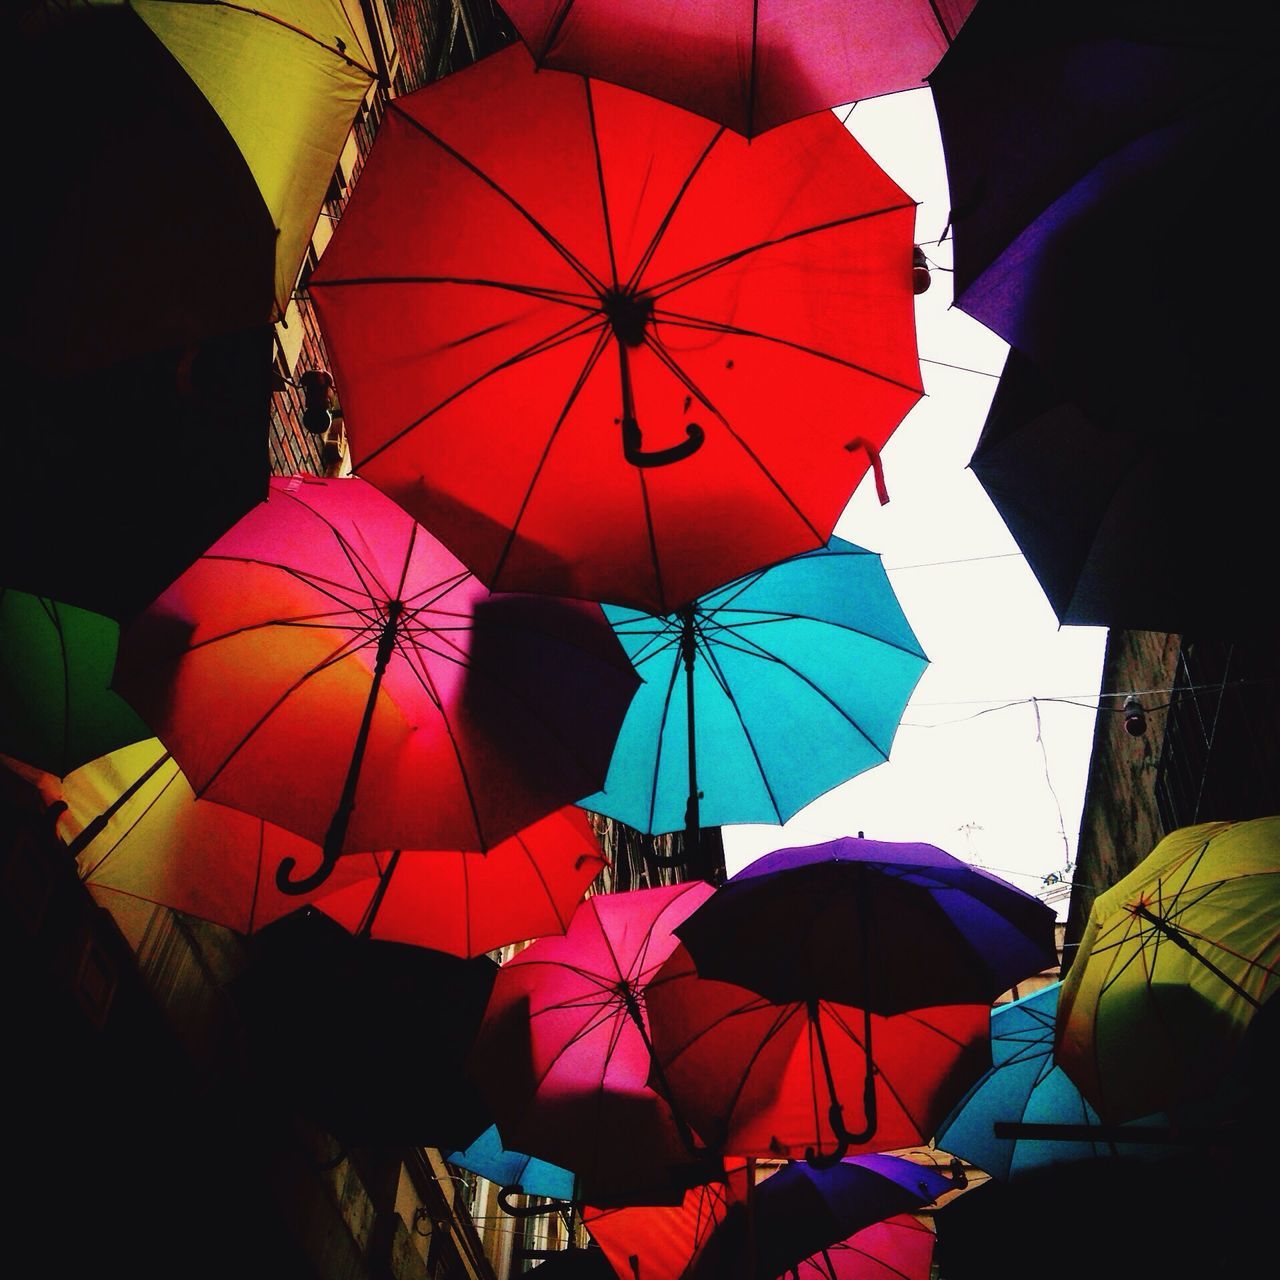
(563, 1056)
(749, 64)
(899, 1248)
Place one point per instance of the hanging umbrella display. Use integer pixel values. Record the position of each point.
(575, 332)
(800, 1210)
(1087, 154)
(328, 666)
(512, 1170)
(1175, 962)
(105, 518)
(762, 695)
(755, 1078)
(112, 269)
(366, 1038)
(659, 1242)
(1101, 514)
(57, 709)
(563, 1055)
(899, 1248)
(467, 903)
(1027, 1091)
(885, 928)
(286, 78)
(750, 66)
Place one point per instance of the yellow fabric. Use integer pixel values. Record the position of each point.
(1141, 1021)
(287, 98)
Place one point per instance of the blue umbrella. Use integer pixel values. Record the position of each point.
(512, 1169)
(761, 695)
(1026, 1089)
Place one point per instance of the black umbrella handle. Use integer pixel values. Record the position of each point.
(632, 449)
(532, 1210)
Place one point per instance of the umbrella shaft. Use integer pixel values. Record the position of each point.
(692, 816)
(1179, 940)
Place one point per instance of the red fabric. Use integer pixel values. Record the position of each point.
(750, 64)
(469, 903)
(559, 1059)
(256, 666)
(748, 1073)
(462, 302)
(664, 1238)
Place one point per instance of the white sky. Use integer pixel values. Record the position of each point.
(968, 772)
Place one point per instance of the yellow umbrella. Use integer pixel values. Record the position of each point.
(1175, 961)
(287, 78)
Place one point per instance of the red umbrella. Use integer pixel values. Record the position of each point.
(605, 349)
(563, 1059)
(756, 1078)
(466, 903)
(750, 64)
(658, 1242)
(328, 666)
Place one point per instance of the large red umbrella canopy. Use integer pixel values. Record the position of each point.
(755, 1078)
(750, 64)
(330, 667)
(562, 1056)
(604, 348)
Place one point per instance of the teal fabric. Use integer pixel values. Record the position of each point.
(802, 673)
(1026, 1086)
(490, 1159)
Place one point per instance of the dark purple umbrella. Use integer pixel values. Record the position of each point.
(1094, 153)
(883, 926)
(800, 1210)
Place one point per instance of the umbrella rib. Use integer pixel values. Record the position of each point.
(679, 320)
(692, 275)
(662, 738)
(542, 879)
(647, 257)
(569, 333)
(329, 587)
(569, 258)
(655, 345)
(360, 636)
(344, 650)
(593, 357)
(767, 617)
(359, 566)
(604, 203)
(299, 31)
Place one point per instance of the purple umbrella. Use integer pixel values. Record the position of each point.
(883, 927)
(800, 1210)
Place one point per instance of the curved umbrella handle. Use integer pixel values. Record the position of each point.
(284, 873)
(639, 457)
(531, 1210)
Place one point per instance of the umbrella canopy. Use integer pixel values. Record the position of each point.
(575, 332)
(128, 473)
(1025, 1086)
(751, 66)
(286, 77)
(512, 1169)
(791, 681)
(563, 1056)
(366, 1038)
(57, 709)
(1089, 153)
(869, 923)
(328, 666)
(1174, 963)
(756, 1078)
(467, 903)
(800, 1210)
(106, 269)
(899, 1248)
(659, 1242)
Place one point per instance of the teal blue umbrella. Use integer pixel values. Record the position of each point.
(762, 694)
(513, 1170)
(1028, 1097)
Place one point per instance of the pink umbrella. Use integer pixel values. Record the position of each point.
(899, 1248)
(750, 64)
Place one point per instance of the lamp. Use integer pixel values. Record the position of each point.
(1135, 719)
(920, 277)
(319, 405)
